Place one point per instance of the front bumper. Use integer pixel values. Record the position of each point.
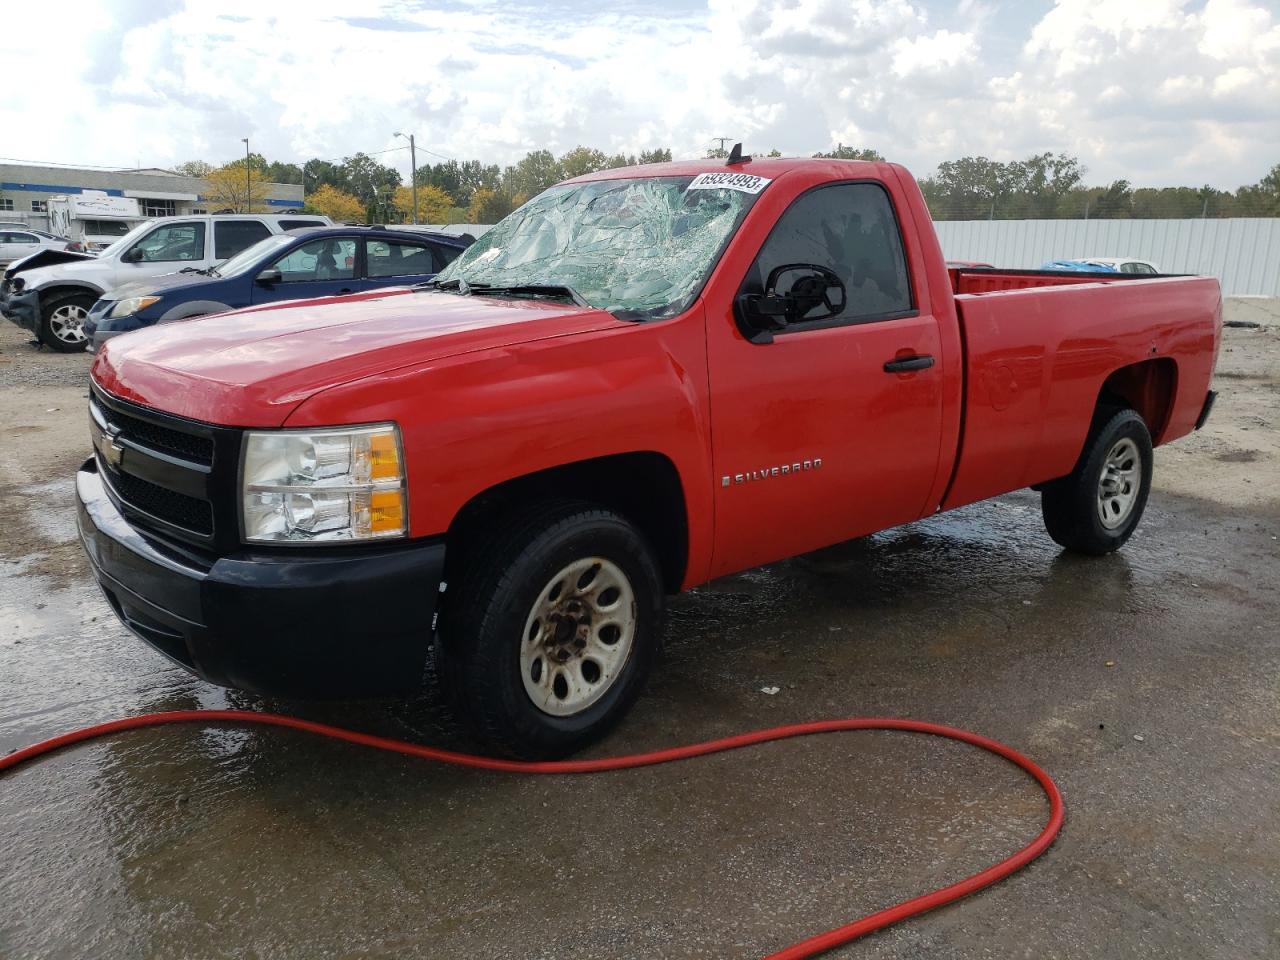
(21, 308)
(99, 327)
(351, 622)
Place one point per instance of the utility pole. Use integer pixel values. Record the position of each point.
(413, 173)
(722, 141)
(248, 184)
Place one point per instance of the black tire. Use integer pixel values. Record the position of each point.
(481, 634)
(1074, 506)
(54, 332)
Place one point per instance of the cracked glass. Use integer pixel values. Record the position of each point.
(640, 248)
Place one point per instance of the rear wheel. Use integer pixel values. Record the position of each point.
(62, 322)
(551, 631)
(1096, 508)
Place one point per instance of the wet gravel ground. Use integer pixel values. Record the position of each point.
(1147, 683)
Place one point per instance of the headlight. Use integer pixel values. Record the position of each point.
(127, 308)
(323, 485)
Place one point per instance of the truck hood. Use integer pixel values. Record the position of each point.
(252, 367)
(44, 258)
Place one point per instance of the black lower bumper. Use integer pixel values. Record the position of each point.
(348, 623)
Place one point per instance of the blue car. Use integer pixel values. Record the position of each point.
(1079, 266)
(296, 265)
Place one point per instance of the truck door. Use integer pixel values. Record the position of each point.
(831, 430)
(318, 268)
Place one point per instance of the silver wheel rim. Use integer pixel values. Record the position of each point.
(65, 322)
(1119, 484)
(578, 636)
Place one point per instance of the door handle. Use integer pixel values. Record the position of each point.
(344, 291)
(908, 364)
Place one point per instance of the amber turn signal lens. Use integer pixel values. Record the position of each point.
(386, 511)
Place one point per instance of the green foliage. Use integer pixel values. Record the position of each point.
(658, 155)
(1043, 186)
(530, 176)
(194, 168)
(489, 205)
(841, 152)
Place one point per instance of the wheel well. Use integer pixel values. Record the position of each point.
(1147, 387)
(49, 294)
(644, 487)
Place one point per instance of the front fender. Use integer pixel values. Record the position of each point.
(477, 420)
(194, 308)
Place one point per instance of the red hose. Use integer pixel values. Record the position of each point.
(805, 948)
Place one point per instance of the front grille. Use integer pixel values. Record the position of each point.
(167, 505)
(164, 439)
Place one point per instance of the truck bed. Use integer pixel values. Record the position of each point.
(1040, 348)
(985, 280)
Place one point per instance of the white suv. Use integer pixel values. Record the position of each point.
(50, 293)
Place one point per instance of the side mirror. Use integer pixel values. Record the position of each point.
(813, 293)
(132, 256)
(269, 276)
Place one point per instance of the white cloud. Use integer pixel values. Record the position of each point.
(1154, 91)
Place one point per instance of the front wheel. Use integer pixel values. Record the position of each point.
(552, 630)
(1096, 508)
(62, 322)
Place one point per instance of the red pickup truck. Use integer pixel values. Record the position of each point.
(642, 379)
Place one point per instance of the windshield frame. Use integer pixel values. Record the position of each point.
(667, 311)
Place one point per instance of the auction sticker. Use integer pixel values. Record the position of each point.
(743, 182)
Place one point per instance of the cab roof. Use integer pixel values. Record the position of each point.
(771, 167)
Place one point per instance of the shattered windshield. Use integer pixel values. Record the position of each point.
(640, 248)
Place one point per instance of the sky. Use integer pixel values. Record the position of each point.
(1157, 92)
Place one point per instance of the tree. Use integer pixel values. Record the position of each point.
(581, 160)
(489, 206)
(319, 173)
(434, 205)
(530, 176)
(841, 152)
(336, 204)
(775, 153)
(1262, 199)
(657, 155)
(1115, 202)
(1043, 181)
(278, 172)
(231, 189)
(194, 168)
(366, 177)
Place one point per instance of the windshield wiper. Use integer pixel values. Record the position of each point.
(210, 272)
(555, 291)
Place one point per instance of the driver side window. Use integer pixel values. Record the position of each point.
(328, 259)
(171, 242)
(849, 228)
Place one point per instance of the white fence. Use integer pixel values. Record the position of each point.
(1244, 253)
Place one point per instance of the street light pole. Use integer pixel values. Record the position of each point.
(248, 189)
(413, 174)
